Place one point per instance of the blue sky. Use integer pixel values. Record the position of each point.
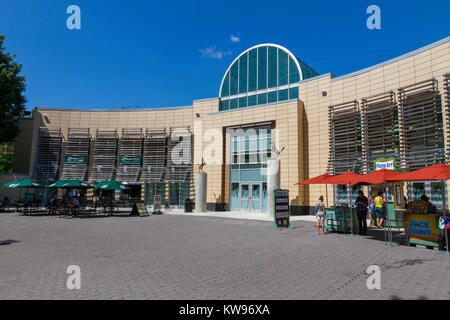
(168, 53)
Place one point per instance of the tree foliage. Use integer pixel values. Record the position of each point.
(12, 99)
(6, 157)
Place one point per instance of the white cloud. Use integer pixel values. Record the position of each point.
(213, 52)
(235, 38)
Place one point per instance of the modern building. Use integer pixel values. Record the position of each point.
(396, 111)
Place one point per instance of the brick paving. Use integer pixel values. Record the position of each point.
(187, 257)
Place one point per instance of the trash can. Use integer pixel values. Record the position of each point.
(188, 205)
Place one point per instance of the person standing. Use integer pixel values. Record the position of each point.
(372, 209)
(361, 210)
(379, 209)
(321, 213)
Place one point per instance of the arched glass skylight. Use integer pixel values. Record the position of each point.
(263, 74)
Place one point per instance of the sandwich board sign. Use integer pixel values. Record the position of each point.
(281, 209)
(140, 209)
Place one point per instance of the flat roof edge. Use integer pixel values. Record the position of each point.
(206, 99)
(385, 63)
(329, 74)
(251, 107)
(113, 110)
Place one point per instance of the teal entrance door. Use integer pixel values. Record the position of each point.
(256, 197)
(245, 195)
(250, 196)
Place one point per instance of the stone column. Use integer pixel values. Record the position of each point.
(200, 192)
(273, 182)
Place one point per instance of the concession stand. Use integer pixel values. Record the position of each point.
(422, 220)
(340, 219)
(423, 224)
(379, 181)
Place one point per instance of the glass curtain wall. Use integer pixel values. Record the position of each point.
(250, 150)
(267, 68)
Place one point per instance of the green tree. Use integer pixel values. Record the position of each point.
(6, 157)
(12, 100)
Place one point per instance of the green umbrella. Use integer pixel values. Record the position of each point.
(111, 185)
(25, 183)
(70, 184)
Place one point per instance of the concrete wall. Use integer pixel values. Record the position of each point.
(22, 146)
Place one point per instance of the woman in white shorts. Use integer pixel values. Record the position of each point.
(321, 213)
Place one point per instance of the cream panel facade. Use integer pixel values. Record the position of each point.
(433, 62)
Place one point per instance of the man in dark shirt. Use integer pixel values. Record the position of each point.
(361, 210)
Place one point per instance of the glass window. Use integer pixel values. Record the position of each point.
(273, 68)
(233, 103)
(226, 86)
(242, 102)
(282, 68)
(234, 199)
(294, 75)
(252, 100)
(272, 97)
(234, 78)
(436, 193)
(341, 194)
(262, 98)
(225, 105)
(283, 95)
(251, 175)
(244, 191)
(243, 73)
(262, 68)
(252, 73)
(293, 93)
(355, 190)
(418, 190)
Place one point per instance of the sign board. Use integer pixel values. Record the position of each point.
(140, 209)
(422, 226)
(385, 163)
(76, 159)
(130, 160)
(281, 208)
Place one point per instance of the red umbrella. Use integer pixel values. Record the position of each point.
(379, 176)
(348, 178)
(437, 172)
(316, 180)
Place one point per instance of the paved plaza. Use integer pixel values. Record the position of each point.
(194, 257)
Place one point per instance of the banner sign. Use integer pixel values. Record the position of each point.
(422, 226)
(76, 159)
(385, 163)
(281, 207)
(130, 160)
